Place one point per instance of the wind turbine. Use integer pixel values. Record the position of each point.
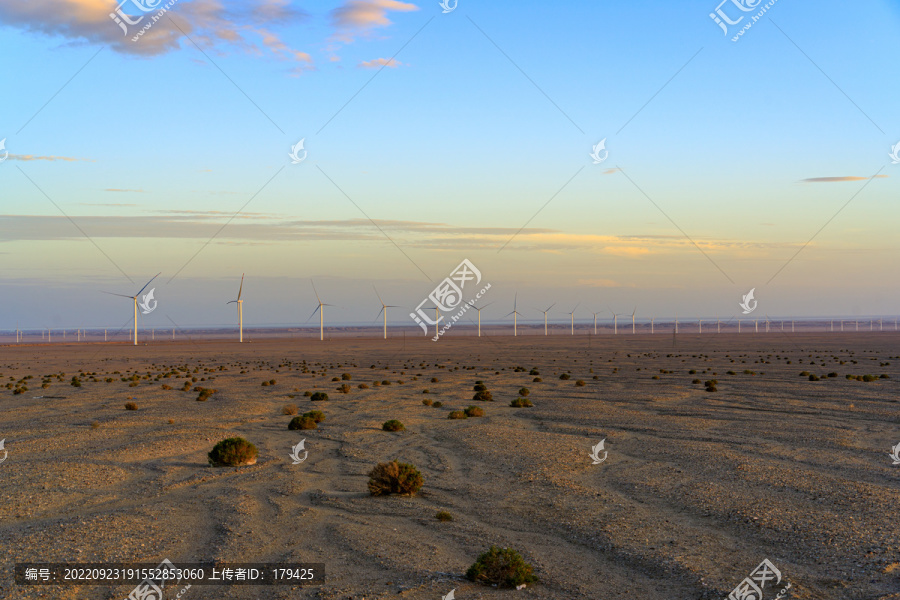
(384, 308)
(472, 304)
(135, 301)
(573, 317)
(515, 313)
(240, 307)
(548, 310)
(321, 312)
(651, 324)
(595, 322)
(699, 325)
(632, 320)
(615, 322)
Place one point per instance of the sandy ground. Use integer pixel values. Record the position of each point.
(698, 487)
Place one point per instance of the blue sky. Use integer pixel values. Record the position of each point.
(491, 110)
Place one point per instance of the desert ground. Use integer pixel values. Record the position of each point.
(698, 486)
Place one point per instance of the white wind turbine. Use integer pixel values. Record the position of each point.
(240, 307)
(572, 314)
(134, 299)
(472, 304)
(595, 322)
(632, 320)
(321, 311)
(615, 322)
(384, 308)
(545, 315)
(515, 313)
(651, 325)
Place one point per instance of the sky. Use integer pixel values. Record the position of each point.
(430, 137)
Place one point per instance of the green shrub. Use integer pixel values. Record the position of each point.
(363, 386)
(474, 411)
(579, 383)
(443, 515)
(426, 402)
(233, 452)
(814, 378)
(869, 378)
(393, 425)
(437, 404)
(318, 396)
(457, 414)
(316, 415)
(484, 396)
(534, 372)
(346, 377)
(395, 478)
(307, 393)
(345, 388)
(302, 422)
(503, 567)
(524, 391)
(479, 387)
(564, 376)
(804, 373)
(521, 403)
(695, 381)
(537, 380)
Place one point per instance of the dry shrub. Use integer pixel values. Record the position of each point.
(289, 409)
(395, 478)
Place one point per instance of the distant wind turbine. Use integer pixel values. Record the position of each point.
(472, 304)
(615, 321)
(134, 300)
(632, 320)
(573, 317)
(545, 315)
(595, 322)
(384, 308)
(321, 311)
(240, 307)
(515, 313)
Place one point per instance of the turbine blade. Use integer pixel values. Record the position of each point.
(378, 315)
(377, 294)
(314, 313)
(241, 289)
(148, 283)
(232, 302)
(549, 307)
(315, 291)
(120, 295)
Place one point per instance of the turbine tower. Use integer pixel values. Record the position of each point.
(573, 317)
(632, 320)
(615, 321)
(595, 322)
(134, 300)
(384, 308)
(321, 311)
(240, 307)
(545, 316)
(515, 313)
(472, 304)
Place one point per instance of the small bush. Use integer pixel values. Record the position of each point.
(534, 372)
(264, 383)
(316, 415)
(393, 425)
(804, 373)
(166, 387)
(319, 397)
(307, 393)
(474, 411)
(345, 388)
(869, 378)
(503, 567)
(302, 422)
(479, 387)
(289, 409)
(363, 386)
(457, 414)
(695, 381)
(483, 396)
(537, 380)
(95, 425)
(524, 391)
(443, 516)
(130, 406)
(335, 378)
(395, 478)
(233, 452)
(564, 376)
(426, 402)
(437, 404)
(521, 403)
(346, 377)
(814, 378)
(579, 383)
(434, 380)
(386, 382)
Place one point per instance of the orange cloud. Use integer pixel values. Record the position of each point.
(380, 62)
(30, 157)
